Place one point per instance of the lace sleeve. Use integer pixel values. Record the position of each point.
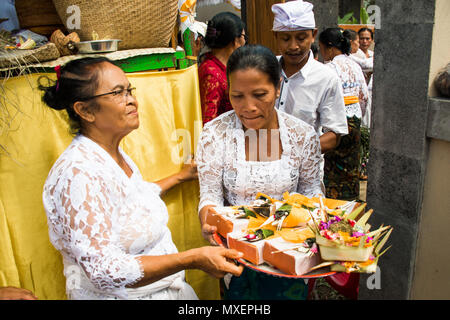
(364, 96)
(309, 179)
(210, 168)
(83, 226)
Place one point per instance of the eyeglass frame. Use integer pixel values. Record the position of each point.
(115, 93)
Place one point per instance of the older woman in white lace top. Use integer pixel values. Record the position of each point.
(255, 148)
(108, 223)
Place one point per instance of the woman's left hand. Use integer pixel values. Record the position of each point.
(188, 172)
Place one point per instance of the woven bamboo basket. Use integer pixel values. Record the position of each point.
(138, 23)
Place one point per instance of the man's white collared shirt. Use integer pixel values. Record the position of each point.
(314, 95)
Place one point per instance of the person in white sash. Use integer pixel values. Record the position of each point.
(107, 222)
(310, 91)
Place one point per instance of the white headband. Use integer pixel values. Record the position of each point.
(293, 16)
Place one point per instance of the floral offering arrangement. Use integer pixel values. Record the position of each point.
(298, 234)
(346, 242)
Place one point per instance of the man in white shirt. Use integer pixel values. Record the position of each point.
(310, 91)
(365, 41)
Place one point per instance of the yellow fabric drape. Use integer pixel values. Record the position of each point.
(170, 121)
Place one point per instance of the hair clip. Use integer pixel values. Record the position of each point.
(211, 31)
(58, 76)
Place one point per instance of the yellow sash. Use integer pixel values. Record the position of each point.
(351, 100)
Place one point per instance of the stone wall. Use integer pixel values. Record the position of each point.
(398, 151)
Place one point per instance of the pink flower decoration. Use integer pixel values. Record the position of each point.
(357, 234)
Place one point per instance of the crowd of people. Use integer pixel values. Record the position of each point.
(271, 124)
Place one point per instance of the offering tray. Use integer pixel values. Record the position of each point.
(266, 268)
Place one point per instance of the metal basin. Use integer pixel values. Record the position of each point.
(96, 46)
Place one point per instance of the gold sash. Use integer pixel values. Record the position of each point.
(351, 100)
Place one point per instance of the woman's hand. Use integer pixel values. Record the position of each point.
(217, 261)
(188, 172)
(12, 293)
(208, 233)
(207, 230)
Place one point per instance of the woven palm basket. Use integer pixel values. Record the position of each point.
(138, 23)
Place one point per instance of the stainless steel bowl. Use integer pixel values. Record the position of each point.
(96, 46)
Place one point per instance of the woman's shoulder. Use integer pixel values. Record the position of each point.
(209, 65)
(78, 157)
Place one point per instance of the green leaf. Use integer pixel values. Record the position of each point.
(363, 220)
(362, 241)
(264, 233)
(356, 212)
(375, 233)
(285, 207)
(314, 228)
(346, 18)
(364, 16)
(379, 235)
(384, 251)
(267, 233)
(382, 242)
(249, 213)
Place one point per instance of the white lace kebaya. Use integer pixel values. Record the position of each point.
(227, 178)
(101, 221)
(353, 84)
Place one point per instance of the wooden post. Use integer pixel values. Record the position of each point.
(259, 21)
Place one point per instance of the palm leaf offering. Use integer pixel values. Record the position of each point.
(309, 232)
(347, 244)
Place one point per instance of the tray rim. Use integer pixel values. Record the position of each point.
(277, 272)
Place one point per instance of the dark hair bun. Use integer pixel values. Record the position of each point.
(78, 80)
(338, 38)
(50, 96)
(222, 29)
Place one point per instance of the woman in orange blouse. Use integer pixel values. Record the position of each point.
(225, 33)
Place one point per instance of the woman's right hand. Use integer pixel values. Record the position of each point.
(13, 293)
(218, 261)
(207, 230)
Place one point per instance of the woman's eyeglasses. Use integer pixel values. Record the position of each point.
(245, 37)
(124, 93)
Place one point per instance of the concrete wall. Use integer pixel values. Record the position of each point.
(398, 146)
(432, 268)
(441, 42)
(409, 169)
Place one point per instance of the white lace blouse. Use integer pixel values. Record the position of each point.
(227, 178)
(101, 221)
(353, 84)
